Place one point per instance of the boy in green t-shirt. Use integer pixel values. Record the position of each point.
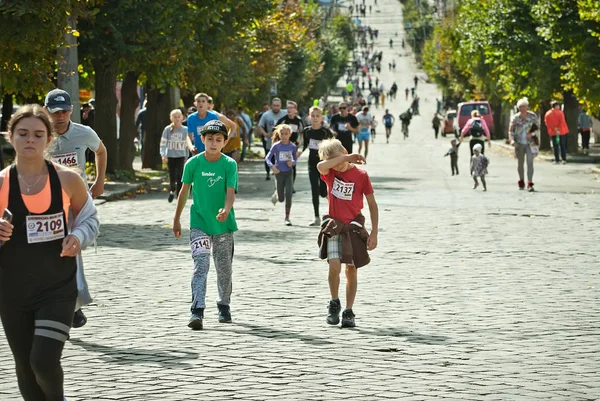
(212, 220)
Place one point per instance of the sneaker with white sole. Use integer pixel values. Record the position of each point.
(288, 222)
(274, 198)
(316, 223)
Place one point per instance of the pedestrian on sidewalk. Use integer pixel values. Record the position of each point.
(479, 165)
(436, 122)
(41, 246)
(406, 93)
(416, 81)
(477, 129)
(558, 131)
(522, 131)
(453, 153)
(174, 151)
(312, 137)
(343, 237)
(281, 159)
(212, 219)
(69, 149)
(584, 122)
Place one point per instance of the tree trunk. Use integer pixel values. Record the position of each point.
(188, 99)
(106, 108)
(157, 118)
(544, 137)
(129, 103)
(571, 110)
(499, 128)
(7, 107)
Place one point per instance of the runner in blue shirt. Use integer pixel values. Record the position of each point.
(199, 119)
(388, 122)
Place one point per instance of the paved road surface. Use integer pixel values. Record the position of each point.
(470, 296)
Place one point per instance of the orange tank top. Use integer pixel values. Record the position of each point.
(37, 203)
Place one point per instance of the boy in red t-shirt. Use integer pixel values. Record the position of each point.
(346, 186)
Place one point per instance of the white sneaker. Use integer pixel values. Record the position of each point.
(564, 162)
(274, 198)
(316, 223)
(288, 222)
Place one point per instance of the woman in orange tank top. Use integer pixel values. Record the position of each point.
(38, 288)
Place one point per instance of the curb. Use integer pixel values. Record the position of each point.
(572, 158)
(128, 188)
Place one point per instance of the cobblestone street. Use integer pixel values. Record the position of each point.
(470, 295)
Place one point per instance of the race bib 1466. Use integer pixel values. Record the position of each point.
(66, 159)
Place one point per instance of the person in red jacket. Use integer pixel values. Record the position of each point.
(558, 130)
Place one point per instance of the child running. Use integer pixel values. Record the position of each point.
(479, 165)
(312, 137)
(453, 153)
(281, 159)
(173, 149)
(343, 237)
(212, 220)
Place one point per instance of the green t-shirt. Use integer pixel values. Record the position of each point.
(210, 182)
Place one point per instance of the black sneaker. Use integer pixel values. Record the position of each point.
(333, 314)
(196, 318)
(348, 318)
(79, 319)
(224, 314)
(171, 197)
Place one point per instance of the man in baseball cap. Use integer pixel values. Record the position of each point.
(68, 149)
(58, 99)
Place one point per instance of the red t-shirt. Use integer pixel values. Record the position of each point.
(345, 192)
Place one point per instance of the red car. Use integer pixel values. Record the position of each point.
(465, 109)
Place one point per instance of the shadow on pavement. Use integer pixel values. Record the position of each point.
(409, 336)
(270, 332)
(134, 236)
(130, 356)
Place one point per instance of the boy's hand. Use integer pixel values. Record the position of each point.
(165, 160)
(177, 228)
(356, 158)
(275, 170)
(223, 214)
(290, 164)
(372, 241)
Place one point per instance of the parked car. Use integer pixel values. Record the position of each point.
(448, 123)
(464, 113)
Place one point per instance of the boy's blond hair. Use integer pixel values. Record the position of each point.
(315, 108)
(329, 147)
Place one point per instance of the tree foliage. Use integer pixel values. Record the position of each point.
(502, 50)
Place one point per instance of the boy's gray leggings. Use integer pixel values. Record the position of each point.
(222, 251)
(285, 185)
